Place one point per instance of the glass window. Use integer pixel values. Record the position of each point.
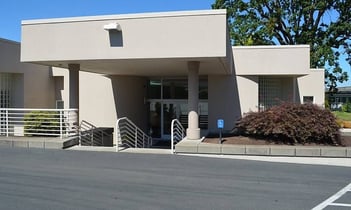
(308, 99)
(154, 89)
(155, 119)
(203, 115)
(175, 89)
(203, 89)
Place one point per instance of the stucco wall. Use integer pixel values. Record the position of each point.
(153, 35)
(312, 85)
(103, 99)
(61, 90)
(248, 93)
(130, 94)
(223, 101)
(272, 60)
(33, 83)
(97, 104)
(18, 91)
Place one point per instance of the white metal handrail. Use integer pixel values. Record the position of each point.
(177, 133)
(38, 122)
(130, 135)
(91, 135)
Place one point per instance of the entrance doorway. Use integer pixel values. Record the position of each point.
(162, 112)
(168, 100)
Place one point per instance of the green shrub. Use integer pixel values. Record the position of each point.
(326, 104)
(40, 123)
(346, 107)
(292, 123)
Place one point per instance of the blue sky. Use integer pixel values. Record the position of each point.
(14, 11)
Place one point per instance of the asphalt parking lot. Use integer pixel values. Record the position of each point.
(59, 179)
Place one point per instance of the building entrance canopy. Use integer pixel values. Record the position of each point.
(140, 44)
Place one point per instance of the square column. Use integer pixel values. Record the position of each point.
(193, 131)
(74, 87)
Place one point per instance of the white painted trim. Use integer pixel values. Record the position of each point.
(340, 204)
(126, 16)
(254, 47)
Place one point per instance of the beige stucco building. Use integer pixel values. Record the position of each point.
(23, 84)
(155, 67)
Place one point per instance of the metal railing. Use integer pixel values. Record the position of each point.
(90, 135)
(129, 135)
(38, 122)
(177, 133)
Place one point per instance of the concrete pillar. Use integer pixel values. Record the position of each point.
(294, 89)
(193, 131)
(74, 87)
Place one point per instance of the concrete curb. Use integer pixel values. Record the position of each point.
(198, 147)
(32, 142)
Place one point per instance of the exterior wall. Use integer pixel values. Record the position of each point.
(33, 85)
(61, 79)
(272, 60)
(103, 99)
(18, 91)
(312, 85)
(223, 101)
(130, 94)
(96, 100)
(38, 88)
(248, 93)
(192, 34)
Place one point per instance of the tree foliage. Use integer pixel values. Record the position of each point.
(323, 24)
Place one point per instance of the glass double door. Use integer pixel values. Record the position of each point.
(162, 112)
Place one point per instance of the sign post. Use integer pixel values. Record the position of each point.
(220, 126)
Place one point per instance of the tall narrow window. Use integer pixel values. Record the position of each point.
(5, 90)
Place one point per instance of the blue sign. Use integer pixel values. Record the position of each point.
(220, 123)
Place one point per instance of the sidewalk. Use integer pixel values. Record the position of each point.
(334, 156)
(345, 162)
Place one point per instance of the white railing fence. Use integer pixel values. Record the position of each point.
(177, 133)
(38, 122)
(90, 135)
(129, 135)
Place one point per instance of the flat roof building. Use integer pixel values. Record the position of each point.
(155, 67)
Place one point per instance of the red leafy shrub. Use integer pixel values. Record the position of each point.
(293, 124)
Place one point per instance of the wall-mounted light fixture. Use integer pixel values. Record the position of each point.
(113, 27)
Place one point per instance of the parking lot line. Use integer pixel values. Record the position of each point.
(340, 204)
(336, 196)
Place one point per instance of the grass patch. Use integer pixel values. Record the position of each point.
(343, 115)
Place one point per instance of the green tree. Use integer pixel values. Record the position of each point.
(323, 24)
